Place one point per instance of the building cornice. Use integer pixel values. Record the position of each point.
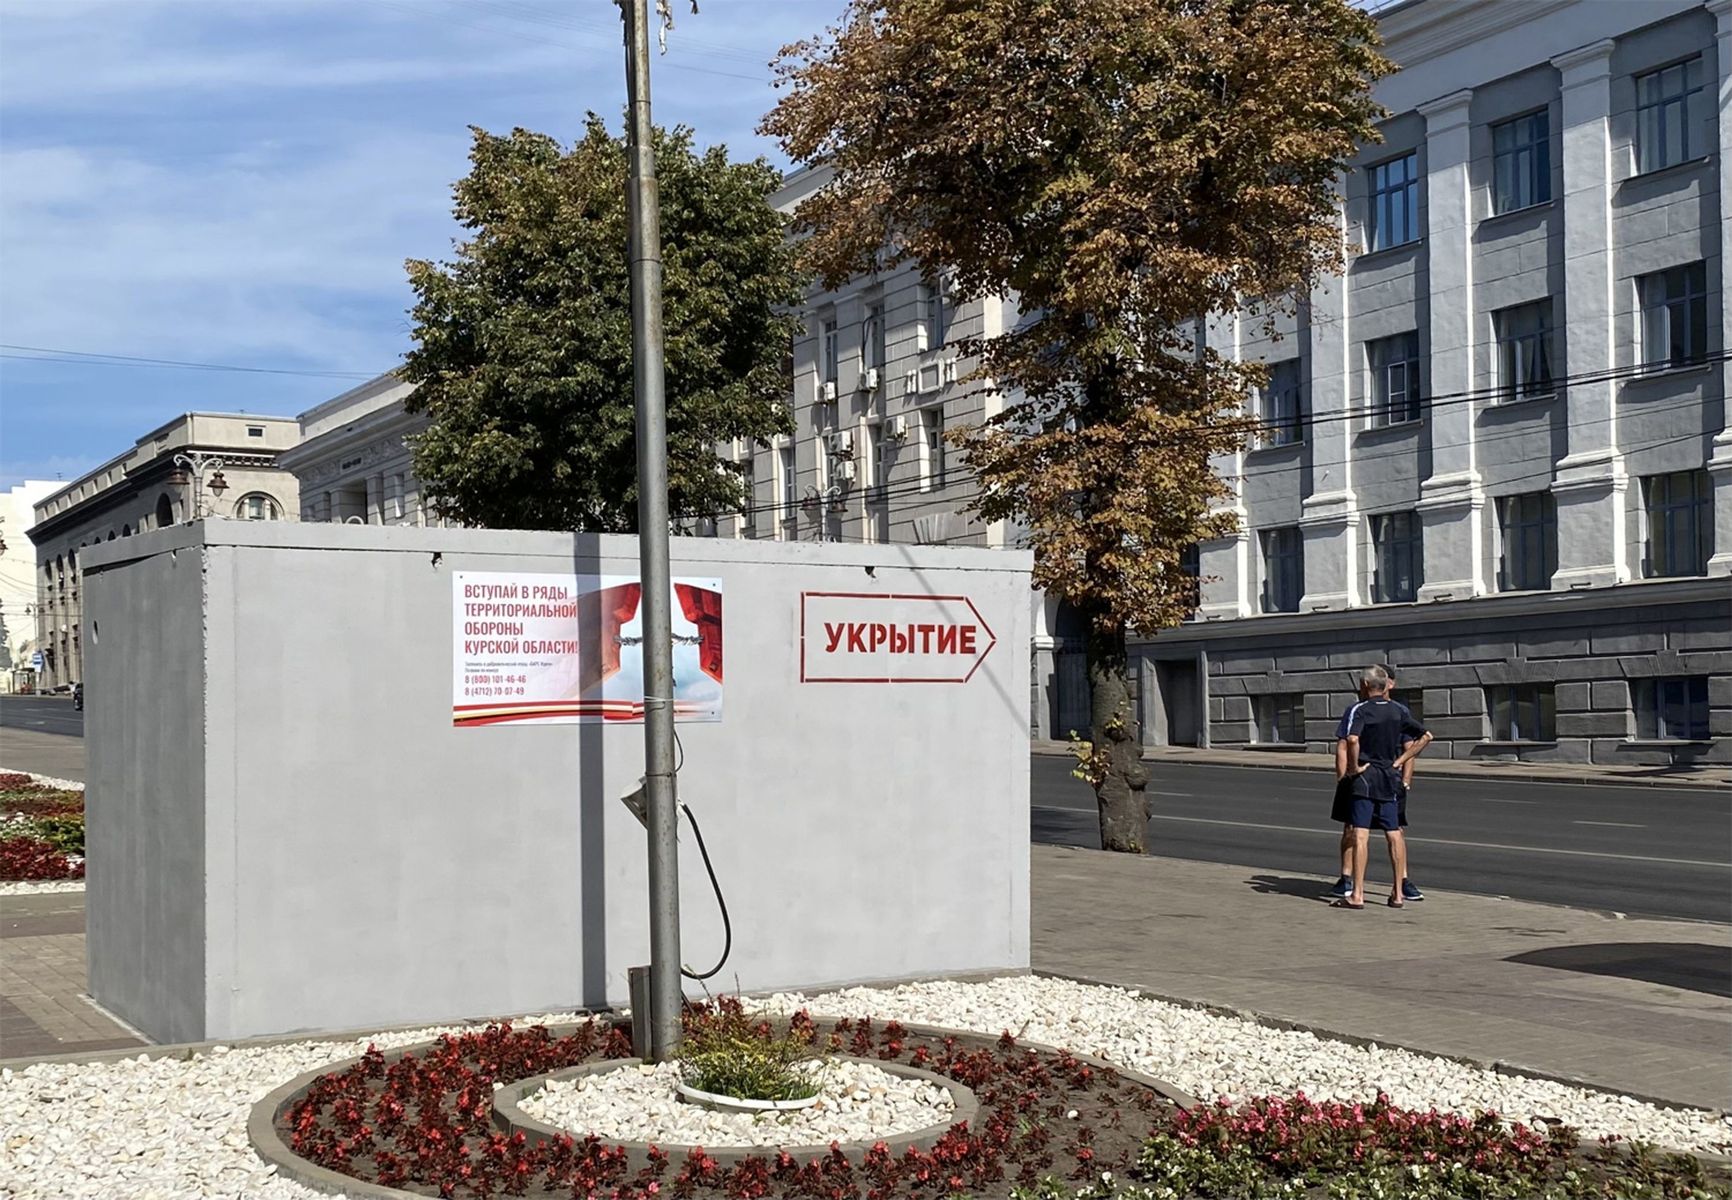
(1413, 33)
(1581, 56)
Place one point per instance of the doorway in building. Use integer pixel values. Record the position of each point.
(1179, 723)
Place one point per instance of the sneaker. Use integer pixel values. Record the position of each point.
(1343, 888)
(1410, 890)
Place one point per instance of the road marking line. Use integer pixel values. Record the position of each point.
(1431, 841)
(1613, 824)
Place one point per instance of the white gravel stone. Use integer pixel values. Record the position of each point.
(30, 887)
(49, 781)
(143, 1129)
(857, 1102)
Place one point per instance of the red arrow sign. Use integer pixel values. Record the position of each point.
(869, 637)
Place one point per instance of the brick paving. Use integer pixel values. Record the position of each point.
(1642, 1006)
(43, 1008)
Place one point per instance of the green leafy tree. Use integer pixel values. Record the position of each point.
(523, 343)
(1123, 168)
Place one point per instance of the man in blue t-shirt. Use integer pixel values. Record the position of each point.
(1382, 738)
(1342, 808)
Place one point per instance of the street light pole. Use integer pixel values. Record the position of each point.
(196, 461)
(643, 212)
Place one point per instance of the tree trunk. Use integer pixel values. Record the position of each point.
(1118, 744)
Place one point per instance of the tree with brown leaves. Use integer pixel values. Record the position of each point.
(1123, 169)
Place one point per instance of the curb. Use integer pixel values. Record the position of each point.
(1276, 760)
(509, 1117)
(268, 1144)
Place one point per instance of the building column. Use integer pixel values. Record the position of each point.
(375, 514)
(1451, 499)
(1720, 461)
(1225, 564)
(1589, 482)
(1329, 516)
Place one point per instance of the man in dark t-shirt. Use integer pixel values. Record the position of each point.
(1382, 738)
(1341, 811)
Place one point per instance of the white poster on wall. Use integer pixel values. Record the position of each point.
(547, 649)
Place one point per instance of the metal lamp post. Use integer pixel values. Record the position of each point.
(196, 461)
(666, 996)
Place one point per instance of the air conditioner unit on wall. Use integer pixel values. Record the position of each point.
(844, 469)
(898, 428)
(870, 379)
(827, 391)
(841, 443)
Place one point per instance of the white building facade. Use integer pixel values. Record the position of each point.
(18, 581)
(1499, 456)
(354, 461)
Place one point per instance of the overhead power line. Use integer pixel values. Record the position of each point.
(90, 358)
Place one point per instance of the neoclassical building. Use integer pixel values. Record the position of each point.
(199, 465)
(354, 462)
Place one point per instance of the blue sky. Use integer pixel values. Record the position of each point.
(239, 182)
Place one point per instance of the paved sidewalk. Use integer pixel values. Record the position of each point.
(1631, 1005)
(1641, 1006)
(42, 1006)
(1711, 780)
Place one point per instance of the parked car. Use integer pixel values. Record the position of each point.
(78, 696)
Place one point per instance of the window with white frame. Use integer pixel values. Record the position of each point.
(1528, 526)
(256, 507)
(1283, 569)
(788, 484)
(1522, 712)
(1670, 111)
(872, 337)
(932, 467)
(934, 315)
(1281, 405)
(1398, 558)
(1392, 203)
(829, 350)
(1680, 511)
(1281, 720)
(1674, 316)
(1394, 363)
(1671, 709)
(878, 474)
(1521, 157)
(1524, 350)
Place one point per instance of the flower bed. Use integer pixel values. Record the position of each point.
(41, 830)
(422, 1123)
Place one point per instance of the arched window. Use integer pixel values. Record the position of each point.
(256, 507)
(164, 511)
(126, 531)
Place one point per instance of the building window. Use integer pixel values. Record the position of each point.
(1394, 378)
(1398, 562)
(1529, 525)
(1522, 712)
(1674, 316)
(876, 463)
(256, 431)
(1392, 217)
(1680, 510)
(1524, 350)
(749, 510)
(1283, 569)
(256, 507)
(1673, 709)
(829, 350)
(934, 316)
(788, 483)
(931, 447)
(872, 338)
(1280, 405)
(1521, 155)
(1281, 720)
(1669, 116)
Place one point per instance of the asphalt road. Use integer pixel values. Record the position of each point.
(1648, 851)
(41, 714)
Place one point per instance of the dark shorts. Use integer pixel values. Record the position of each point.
(1375, 814)
(1342, 810)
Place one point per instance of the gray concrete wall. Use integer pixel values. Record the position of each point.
(346, 857)
(145, 827)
